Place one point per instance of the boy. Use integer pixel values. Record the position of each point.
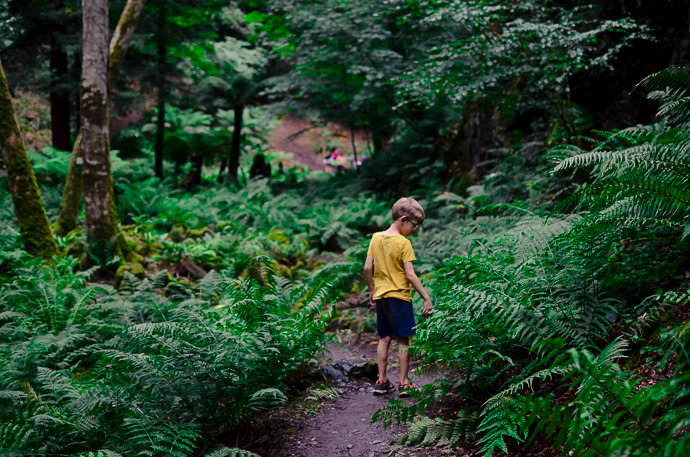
(389, 266)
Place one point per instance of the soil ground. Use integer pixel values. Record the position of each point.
(343, 427)
(303, 140)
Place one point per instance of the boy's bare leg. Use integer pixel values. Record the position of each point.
(404, 357)
(382, 357)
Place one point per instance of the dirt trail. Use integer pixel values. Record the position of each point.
(343, 427)
(303, 140)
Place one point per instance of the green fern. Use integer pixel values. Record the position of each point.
(427, 432)
(324, 392)
(231, 452)
(611, 414)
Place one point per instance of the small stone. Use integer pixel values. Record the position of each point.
(262, 440)
(349, 446)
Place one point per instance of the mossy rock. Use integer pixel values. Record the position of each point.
(197, 233)
(683, 332)
(128, 229)
(135, 269)
(279, 237)
(177, 234)
(149, 249)
(75, 249)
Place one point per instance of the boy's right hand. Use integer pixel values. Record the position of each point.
(371, 299)
(428, 307)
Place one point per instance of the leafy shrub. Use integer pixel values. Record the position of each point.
(529, 303)
(136, 374)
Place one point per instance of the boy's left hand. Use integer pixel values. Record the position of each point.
(428, 307)
(371, 299)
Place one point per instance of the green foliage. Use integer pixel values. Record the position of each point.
(135, 373)
(640, 173)
(324, 392)
(228, 452)
(612, 414)
(440, 432)
(532, 293)
(521, 55)
(528, 299)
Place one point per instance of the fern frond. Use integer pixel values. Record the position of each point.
(231, 452)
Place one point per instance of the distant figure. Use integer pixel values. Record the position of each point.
(337, 161)
(260, 167)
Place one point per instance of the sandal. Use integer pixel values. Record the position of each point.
(404, 389)
(383, 388)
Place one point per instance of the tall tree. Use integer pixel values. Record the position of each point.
(59, 93)
(101, 216)
(71, 197)
(28, 205)
(40, 26)
(174, 24)
(234, 83)
(162, 90)
(346, 64)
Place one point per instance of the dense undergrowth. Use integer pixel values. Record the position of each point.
(560, 303)
(539, 302)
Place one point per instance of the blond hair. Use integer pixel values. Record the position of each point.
(409, 207)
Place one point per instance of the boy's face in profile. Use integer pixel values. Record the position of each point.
(408, 226)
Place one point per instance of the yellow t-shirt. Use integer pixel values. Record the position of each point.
(390, 252)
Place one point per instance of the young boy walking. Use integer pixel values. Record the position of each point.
(389, 274)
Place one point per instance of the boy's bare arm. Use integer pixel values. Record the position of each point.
(369, 276)
(417, 285)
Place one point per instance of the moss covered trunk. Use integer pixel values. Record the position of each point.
(71, 197)
(123, 37)
(101, 217)
(28, 205)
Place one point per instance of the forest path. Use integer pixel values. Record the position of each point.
(343, 427)
(301, 138)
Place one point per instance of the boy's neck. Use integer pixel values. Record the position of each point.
(394, 229)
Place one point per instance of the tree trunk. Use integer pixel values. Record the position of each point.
(28, 205)
(76, 76)
(160, 134)
(160, 126)
(71, 196)
(122, 37)
(197, 168)
(354, 147)
(59, 96)
(101, 218)
(236, 144)
(223, 165)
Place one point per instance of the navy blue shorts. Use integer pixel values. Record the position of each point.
(394, 317)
